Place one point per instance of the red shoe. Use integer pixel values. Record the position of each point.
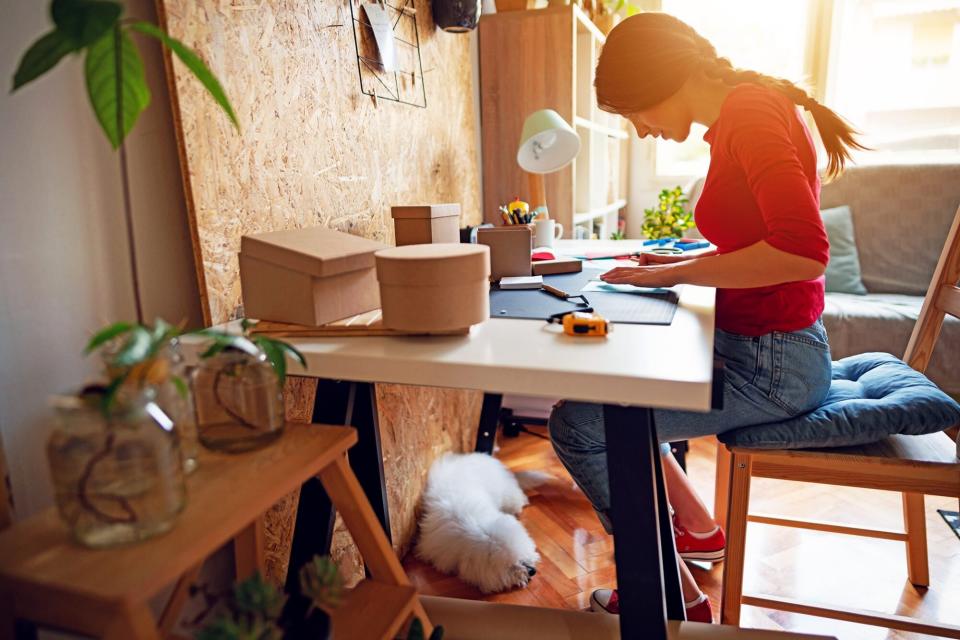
(690, 547)
(700, 612)
(607, 601)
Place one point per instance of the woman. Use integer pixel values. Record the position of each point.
(760, 207)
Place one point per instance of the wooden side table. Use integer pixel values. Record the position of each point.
(49, 579)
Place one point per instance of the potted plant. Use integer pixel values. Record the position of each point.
(456, 16)
(670, 217)
(115, 453)
(238, 389)
(255, 609)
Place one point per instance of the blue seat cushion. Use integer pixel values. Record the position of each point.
(872, 396)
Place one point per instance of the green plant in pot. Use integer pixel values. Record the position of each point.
(256, 610)
(238, 389)
(670, 217)
(115, 452)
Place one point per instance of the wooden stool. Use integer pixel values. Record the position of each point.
(48, 578)
(911, 465)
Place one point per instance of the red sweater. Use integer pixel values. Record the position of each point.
(763, 185)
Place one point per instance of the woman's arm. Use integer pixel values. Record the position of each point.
(758, 265)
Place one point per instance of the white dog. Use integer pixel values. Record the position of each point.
(469, 525)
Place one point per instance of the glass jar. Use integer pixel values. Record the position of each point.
(169, 375)
(117, 478)
(238, 401)
(177, 402)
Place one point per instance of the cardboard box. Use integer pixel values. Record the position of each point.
(426, 224)
(560, 265)
(434, 287)
(509, 250)
(308, 276)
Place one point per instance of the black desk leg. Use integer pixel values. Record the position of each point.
(633, 466)
(489, 419)
(366, 457)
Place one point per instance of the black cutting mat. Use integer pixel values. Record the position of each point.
(531, 304)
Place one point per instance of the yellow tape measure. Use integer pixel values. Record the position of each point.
(582, 323)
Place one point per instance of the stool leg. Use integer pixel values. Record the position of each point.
(248, 551)
(721, 487)
(136, 623)
(915, 524)
(351, 502)
(739, 500)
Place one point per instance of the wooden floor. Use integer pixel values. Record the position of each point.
(577, 555)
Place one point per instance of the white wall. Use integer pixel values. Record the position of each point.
(64, 269)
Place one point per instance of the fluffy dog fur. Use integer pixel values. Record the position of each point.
(469, 525)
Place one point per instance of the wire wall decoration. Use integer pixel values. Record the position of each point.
(405, 83)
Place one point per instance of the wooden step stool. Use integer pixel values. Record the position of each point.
(49, 579)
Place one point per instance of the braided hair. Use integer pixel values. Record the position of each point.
(648, 57)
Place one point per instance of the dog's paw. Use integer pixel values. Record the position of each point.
(514, 502)
(522, 573)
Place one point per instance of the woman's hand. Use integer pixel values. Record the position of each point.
(660, 275)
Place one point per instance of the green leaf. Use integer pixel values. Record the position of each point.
(43, 55)
(136, 348)
(110, 394)
(85, 21)
(193, 63)
(275, 355)
(116, 82)
(106, 334)
(181, 386)
(294, 353)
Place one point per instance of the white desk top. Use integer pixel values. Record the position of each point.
(641, 365)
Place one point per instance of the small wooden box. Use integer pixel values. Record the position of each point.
(509, 250)
(560, 265)
(426, 224)
(434, 287)
(308, 276)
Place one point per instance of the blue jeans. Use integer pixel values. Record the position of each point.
(767, 378)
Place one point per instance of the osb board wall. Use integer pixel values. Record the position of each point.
(416, 426)
(313, 149)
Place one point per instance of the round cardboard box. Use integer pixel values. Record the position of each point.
(434, 287)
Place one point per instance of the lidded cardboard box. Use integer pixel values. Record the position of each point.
(434, 287)
(426, 224)
(308, 276)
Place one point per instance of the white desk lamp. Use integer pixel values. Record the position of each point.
(548, 143)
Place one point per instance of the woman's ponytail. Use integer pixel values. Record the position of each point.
(839, 138)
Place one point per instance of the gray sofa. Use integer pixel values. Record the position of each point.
(901, 215)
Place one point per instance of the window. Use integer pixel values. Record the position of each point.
(765, 36)
(895, 73)
(892, 68)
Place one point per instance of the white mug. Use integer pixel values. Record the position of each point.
(546, 231)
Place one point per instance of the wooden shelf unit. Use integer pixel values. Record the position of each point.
(48, 578)
(546, 58)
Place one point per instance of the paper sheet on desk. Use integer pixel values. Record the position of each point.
(604, 287)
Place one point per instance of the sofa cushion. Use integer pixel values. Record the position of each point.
(843, 270)
(872, 396)
(883, 322)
